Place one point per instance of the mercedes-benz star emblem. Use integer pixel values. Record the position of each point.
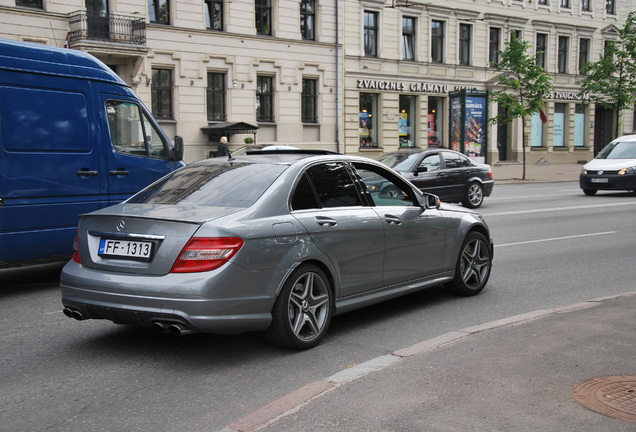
(120, 225)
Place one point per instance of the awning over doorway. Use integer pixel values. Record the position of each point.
(217, 130)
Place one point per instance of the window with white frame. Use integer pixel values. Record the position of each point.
(408, 38)
(465, 42)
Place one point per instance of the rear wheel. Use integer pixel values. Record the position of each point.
(589, 192)
(473, 266)
(302, 312)
(474, 195)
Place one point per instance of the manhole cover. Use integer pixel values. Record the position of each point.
(613, 396)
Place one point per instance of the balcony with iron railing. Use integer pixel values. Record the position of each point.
(85, 26)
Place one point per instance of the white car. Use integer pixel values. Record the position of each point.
(614, 168)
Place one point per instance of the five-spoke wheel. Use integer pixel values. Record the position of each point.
(474, 196)
(302, 312)
(473, 265)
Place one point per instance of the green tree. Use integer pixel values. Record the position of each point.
(523, 85)
(611, 81)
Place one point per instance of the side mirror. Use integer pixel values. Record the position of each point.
(420, 169)
(432, 201)
(177, 153)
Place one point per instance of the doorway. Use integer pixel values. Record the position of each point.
(603, 130)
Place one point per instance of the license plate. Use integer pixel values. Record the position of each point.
(599, 180)
(141, 250)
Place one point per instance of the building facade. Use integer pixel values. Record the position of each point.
(263, 70)
(355, 76)
(418, 74)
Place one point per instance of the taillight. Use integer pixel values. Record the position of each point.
(205, 254)
(76, 254)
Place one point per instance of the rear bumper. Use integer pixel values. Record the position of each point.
(488, 186)
(180, 299)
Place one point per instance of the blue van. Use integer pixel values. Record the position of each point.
(73, 138)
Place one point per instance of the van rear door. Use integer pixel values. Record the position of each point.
(138, 152)
(49, 164)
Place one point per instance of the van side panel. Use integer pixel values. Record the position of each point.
(49, 165)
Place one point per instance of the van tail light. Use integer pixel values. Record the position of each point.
(76, 254)
(205, 254)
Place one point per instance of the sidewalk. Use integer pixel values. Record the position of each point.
(507, 172)
(533, 372)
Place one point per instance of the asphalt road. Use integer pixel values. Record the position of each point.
(554, 247)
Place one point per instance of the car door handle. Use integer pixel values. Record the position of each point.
(119, 172)
(392, 220)
(85, 172)
(325, 221)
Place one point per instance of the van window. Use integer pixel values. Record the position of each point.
(44, 120)
(132, 132)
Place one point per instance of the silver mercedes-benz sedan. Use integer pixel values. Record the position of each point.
(277, 242)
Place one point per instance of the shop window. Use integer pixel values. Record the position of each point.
(579, 126)
(434, 121)
(536, 134)
(216, 97)
(558, 125)
(161, 93)
(405, 121)
(214, 14)
(368, 128)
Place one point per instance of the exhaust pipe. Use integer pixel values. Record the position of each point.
(159, 327)
(178, 330)
(73, 313)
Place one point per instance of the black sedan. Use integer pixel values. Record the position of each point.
(446, 173)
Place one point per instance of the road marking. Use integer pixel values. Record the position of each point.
(545, 210)
(556, 238)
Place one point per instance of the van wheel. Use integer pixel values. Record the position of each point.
(474, 196)
(302, 311)
(589, 192)
(473, 266)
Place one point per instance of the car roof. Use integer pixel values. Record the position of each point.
(626, 138)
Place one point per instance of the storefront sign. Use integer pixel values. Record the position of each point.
(418, 87)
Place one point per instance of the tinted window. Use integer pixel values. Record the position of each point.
(383, 189)
(304, 196)
(333, 185)
(431, 162)
(223, 185)
(452, 160)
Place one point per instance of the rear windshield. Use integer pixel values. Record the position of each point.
(618, 150)
(223, 185)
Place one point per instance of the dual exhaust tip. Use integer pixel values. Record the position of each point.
(73, 313)
(172, 328)
(158, 326)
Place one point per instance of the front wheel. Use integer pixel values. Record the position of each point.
(302, 312)
(473, 266)
(474, 196)
(589, 192)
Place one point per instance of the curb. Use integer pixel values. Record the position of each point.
(298, 398)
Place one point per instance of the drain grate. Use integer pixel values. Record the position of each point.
(613, 396)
